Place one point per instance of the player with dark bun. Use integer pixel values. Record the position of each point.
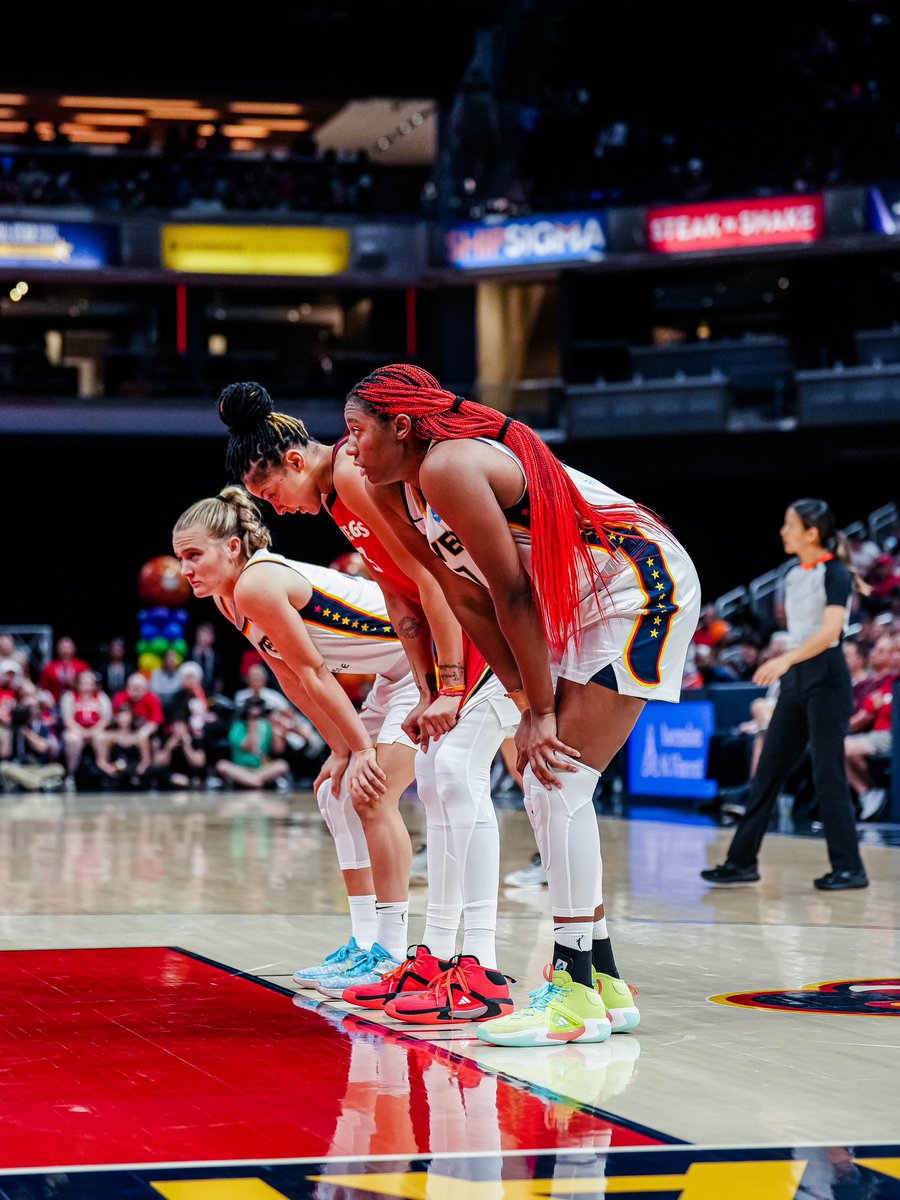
(461, 719)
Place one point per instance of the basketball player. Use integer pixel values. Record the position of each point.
(459, 722)
(310, 623)
(596, 600)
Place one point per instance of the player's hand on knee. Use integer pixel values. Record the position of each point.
(545, 748)
(367, 779)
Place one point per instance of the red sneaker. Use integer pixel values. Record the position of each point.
(413, 975)
(465, 991)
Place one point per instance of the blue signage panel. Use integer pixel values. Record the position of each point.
(527, 241)
(66, 246)
(668, 751)
(884, 208)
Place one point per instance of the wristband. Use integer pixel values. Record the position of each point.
(519, 699)
(452, 691)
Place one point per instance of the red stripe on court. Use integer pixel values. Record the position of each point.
(150, 1055)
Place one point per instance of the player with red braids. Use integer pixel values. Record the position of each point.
(596, 601)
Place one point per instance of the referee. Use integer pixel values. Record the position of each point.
(814, 703)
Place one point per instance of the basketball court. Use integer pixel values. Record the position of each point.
(155, 1044)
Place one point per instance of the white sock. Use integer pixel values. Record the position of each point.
(600, 930)
(574, 935)
(362, 920)
(441, 924)
(391, 928)
(483, 944)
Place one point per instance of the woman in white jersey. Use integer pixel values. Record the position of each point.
(311, 623)
(278, 462)
(597, 601)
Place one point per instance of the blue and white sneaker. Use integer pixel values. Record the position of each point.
(367, 969)
(337, 961)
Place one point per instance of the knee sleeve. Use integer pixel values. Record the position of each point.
(344, 826)
(462, 771)
(566, 832)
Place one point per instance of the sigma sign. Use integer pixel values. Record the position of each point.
(565, 237)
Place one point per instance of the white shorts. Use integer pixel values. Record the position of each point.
(636, 639)
(387, 706)
(493, 692)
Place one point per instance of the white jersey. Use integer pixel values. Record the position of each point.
(638, 619)
(448, 547)
(346, 619)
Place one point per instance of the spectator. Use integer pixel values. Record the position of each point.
(10, 678)
(870, 735)
(115, 666)
(9, 648)
(190, 704)
(883, 578)
(258, 689)
(60, 673)
(253, 740)
(145, 705)
(180, 758)
(122, 751)
(85, 711)
(165, 680)
(863, 552)
(205, 654)
(34, 764)
(712, 629)
(708, 666)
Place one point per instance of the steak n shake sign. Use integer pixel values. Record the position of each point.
(725, 224)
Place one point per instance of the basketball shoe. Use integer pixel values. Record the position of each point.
(618, 996)
(413, 975)
(561, 1011)
(464, 991)
(367, 968)
(338, 960)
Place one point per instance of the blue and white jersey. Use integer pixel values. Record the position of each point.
(448, 547)
(345, 617)
(644, 609)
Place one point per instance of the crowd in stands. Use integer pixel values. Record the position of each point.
(74, 725)
(204, 177)
(729, 650)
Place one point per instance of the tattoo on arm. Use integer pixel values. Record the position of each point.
(409, 627)
(452, 674)
(428, 683)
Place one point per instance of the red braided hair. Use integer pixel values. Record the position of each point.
(559, 512)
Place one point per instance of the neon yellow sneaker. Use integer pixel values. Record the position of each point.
(561, 1011)
(618, 997)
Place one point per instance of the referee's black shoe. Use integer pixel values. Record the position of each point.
(728, 872)
(836, 881)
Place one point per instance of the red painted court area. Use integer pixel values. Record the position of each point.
(152, 1055)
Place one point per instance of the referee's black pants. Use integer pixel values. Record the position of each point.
(814, 706)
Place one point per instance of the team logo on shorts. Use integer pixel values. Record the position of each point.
(844, 997)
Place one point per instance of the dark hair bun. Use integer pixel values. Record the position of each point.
(244, 406)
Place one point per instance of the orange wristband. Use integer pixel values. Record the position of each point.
(519, 699)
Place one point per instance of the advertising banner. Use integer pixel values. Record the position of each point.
(527, 241)
(668, 750)
(66, 246)
(255, 249)
(883, 208)
(725, 224)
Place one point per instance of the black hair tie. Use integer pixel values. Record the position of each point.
(504, 429)
(457, 404)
